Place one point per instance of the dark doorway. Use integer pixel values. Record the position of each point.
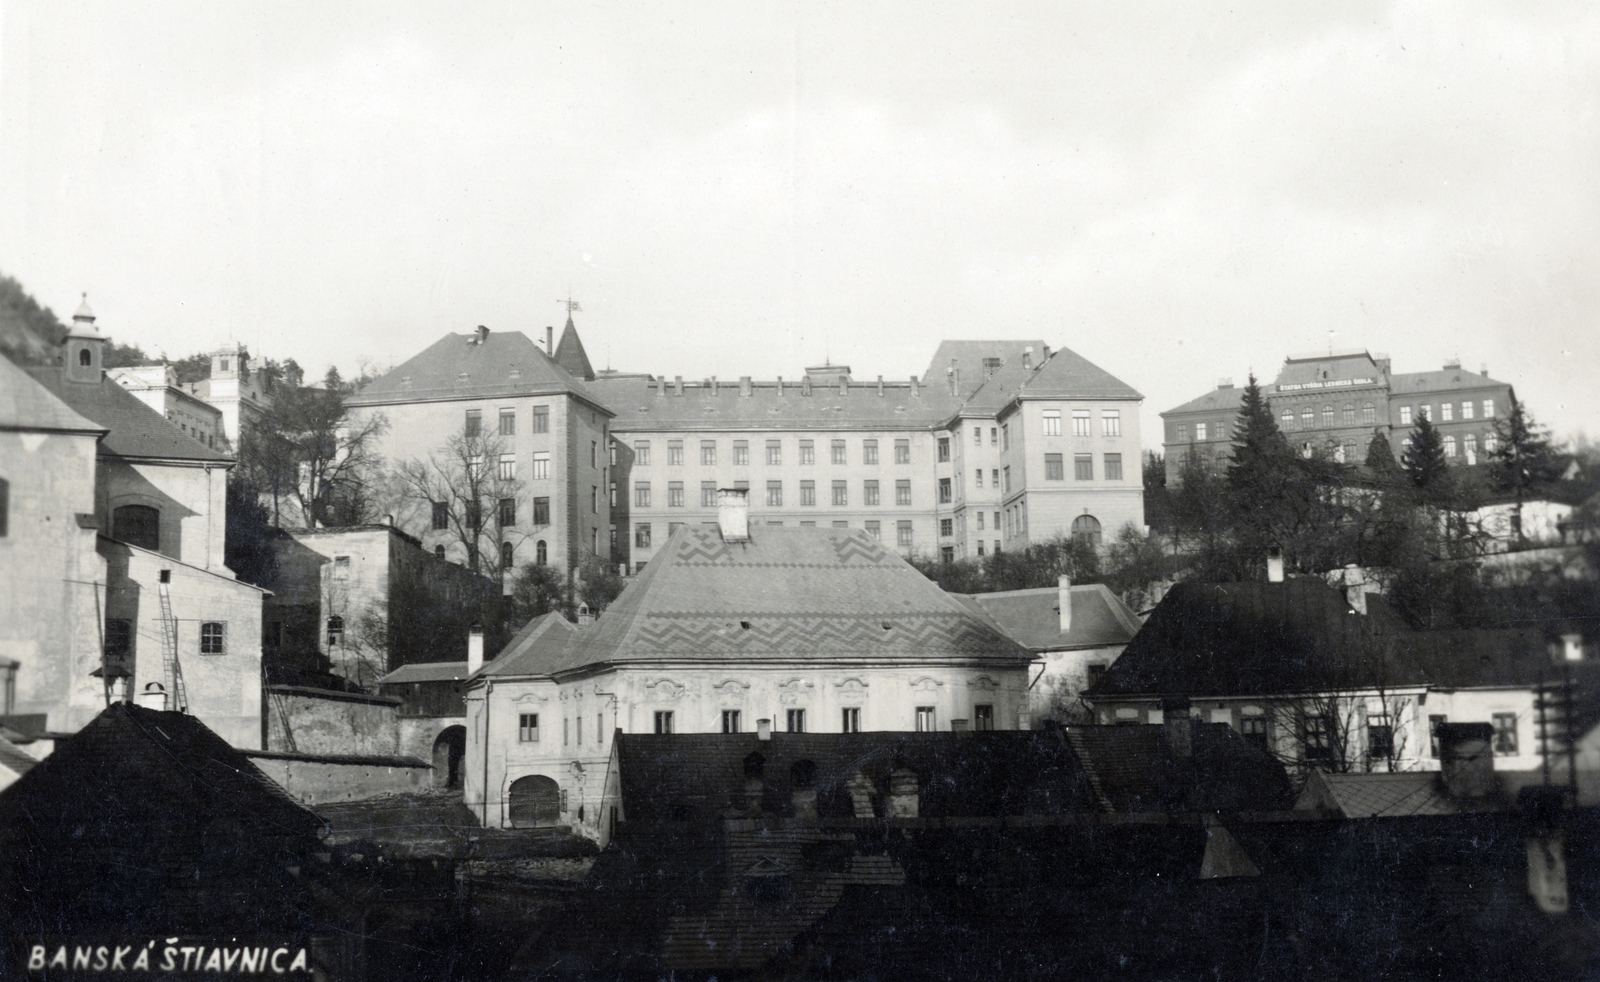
(137, 525)
(535, 802)
(448, 752)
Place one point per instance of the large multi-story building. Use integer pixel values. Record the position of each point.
(1337, 402)
(921, 464)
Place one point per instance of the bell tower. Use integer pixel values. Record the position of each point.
(83, 349)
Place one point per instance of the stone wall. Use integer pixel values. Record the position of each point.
(314, 779)
(322, 721)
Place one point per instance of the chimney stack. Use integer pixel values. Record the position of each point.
(1064, 601)
(733, 514)
(154, 697)
(677, 385)
(549, 340)
(960, 727)
(1275, 565)
(474, 647)
(915, 392)
(903, 793)
(1177, 727)
(860, 789)
(1466, 759)
(1027, 357)
(1355, 589)
(744, 386)
(763, 729)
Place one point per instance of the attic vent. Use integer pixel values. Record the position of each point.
(516, 373)
(886, 625)
(745, 625)
(462, 377)
(405, 380)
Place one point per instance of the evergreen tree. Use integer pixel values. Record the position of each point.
(1269, 486)
(1424, 462)
(1385, 470)
(1522, 458)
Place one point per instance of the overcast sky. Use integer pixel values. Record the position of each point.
(1178, 192)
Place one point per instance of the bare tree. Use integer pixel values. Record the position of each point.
(470, 490)
(310, 453)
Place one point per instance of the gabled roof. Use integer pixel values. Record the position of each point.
(133, 428)
(15, 759)
(1227, 400)
(641, 405)
(1399, 795)
(1136, 770)
(130, 763)
(1444, 380)
(534, 648)
(787, 596)
(458, 366)
(27, 405)
(1032, 618)
(967, 358)
(1069, 375)
(438, 671)
(570, 354)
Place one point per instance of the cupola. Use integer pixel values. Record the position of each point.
(83, 349)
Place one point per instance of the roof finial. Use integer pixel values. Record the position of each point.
(572, 306)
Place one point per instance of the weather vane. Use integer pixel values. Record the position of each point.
(572, 305)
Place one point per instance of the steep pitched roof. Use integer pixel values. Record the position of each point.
(1402, 795)
(1227, 400)
(27, 405)
(1033, 617)
(437, 671)
(1135, 768)
(534, 648)
(641, 405)
(1444, 380)
(787, 596)
(1069, 375)
(570, 354)
(967, 358)
(134, 429)
(463, 366)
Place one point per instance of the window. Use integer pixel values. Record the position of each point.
(1080, 422)
(902, 534)
(663, 721)
(508, 422)
(674, 494)
(774, 494)
(594, 453)
(1380, 737)
(796, 720)
(869, 451)
(1425, 412)
(1316, 739)
(541, 512)
(641, 451)
(902, 451)
(1308, 418)
(841, 492)
(994, 436)
(808, 493)
(1505, 734)
(438, 552)
(1405, 415)
(341, 568)
(1054, 470)
(808, 452)
(611, 452)
(1183, 433)
(1469, 446)
(708, 494)
(1449, 446)
(527, 727)
(991, 365)
(335, 630)
(983, 717)
(980, 522)
(541, 466)
(611, 495)
(875, 529)
(1007, 472)
(1086, 530)
(1447, 411)
(1488, 409)
(474, 422)
(1286, 421)
(869, 492)
(1490, 441)
(730, 721)
(774, 453)
(708, 453)
(508, 512)
(541, 424)
(902, 492)
(741, 453)
(944, 490)
(1113, 466)
(474, 466)
(441, 515)
(137, 525)
(977, 436)
(211, 638)
(851, 723)
(541, 553)
(474, 515)
(1200, 432)
(641, 535)
(836, 452)
(674, 453)
(119, 641)
(508, 467)
(926, 722)
(1254, 730)
(1052, 422)
(1111, 422)
(1466, 409)
(947, 554)
(977, 478)
(1369, 415)
(947, 527)
(1083, 467)
(1327, 415)
(1005, 437)
(641, 494)
(1347, 415)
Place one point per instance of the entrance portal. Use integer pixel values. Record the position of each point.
(535, 802)
(449, 750)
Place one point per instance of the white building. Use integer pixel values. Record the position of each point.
(157, 387)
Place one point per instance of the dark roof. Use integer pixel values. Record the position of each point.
(967, 358)
(130, 763)
(532, 649)
(14, 758)
(1226, 400)
(457, 366)
(441, 671)
(1069, 375)
(133, 428)
(1134, 767)
(1033, 617)
(570, 354)
(643, 404)
(1445, 380)
(27, 405)
(787, 595)
(1246, 639)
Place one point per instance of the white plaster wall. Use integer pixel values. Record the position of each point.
(192, 500)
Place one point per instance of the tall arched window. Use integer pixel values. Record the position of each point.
(438, 552)
(540, 554)
(1349, 414)
(1086, 529)
(1327, 415)
(84, 357)
(1369, 415)
(1288, 419)
(1308, 417)
(507, 556)
(137, 525)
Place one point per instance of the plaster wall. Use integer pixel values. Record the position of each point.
(332, 722)
(1037, 508)
(314, 782)
(192, 500)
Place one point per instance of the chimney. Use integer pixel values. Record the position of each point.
(713, 385)
(154, 697)
(1275, 565)
(1484, 368)
(805, 385)
(1382, 359)
(733, 514)
(763, 729)
(474, 647)
(860, 789)
(902, 793)
(960, 727)
(780, 386)
(950, 376)
(1466, 760)
(744, 386)
(802, 790)
(677, 385)
(1045, 355)
(482, 335)
(1064, 601)
(915, 392)
(1355, 589)
(880, 386)
(1224, 383)
(1175, 724)
(1027, 357)
(549, 340)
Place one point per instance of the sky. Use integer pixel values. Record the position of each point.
(1178, 192)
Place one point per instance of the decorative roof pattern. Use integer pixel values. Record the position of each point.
(530, 650)
(469, 366)
(1033, 617)
(134, 429)
(27, 405)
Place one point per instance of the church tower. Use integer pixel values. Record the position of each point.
(83, 349)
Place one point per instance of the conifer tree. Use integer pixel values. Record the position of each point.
(1381, 465)
(1522, 458)
(1424, 462)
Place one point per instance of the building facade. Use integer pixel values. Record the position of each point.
(156, 386)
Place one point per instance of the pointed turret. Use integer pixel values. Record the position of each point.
(83, 347)
(570, 354)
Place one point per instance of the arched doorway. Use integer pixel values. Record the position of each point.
(448, 752)
(137, 525)
(535, 802)
(1086, 530)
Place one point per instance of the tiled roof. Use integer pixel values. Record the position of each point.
(1226, 400)
(440, 671)
(456, 366)
(27, 405)
(967, 357)
(1033, 618)
(1442, 380)
(1402, 795)
(1137, 772)
(786, 596)
(14, 758)
(570, 354)
(534, 648)
(640, 404)
(1069, 375)
(134, 429)
(1337, 366)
